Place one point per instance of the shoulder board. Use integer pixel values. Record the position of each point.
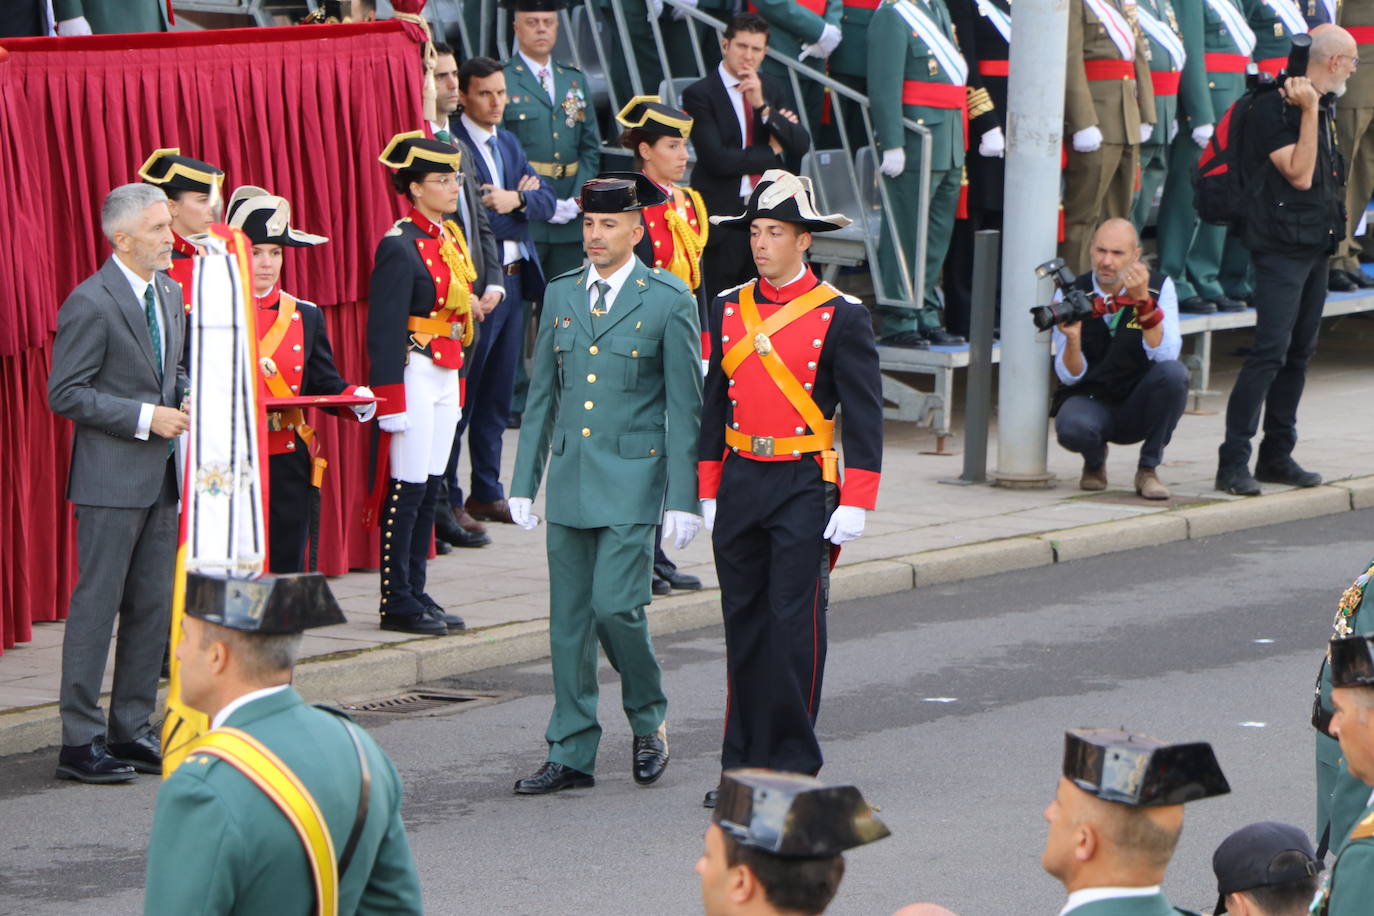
(667, 278)
(303, 303)
(726, 292)
(567, 66)
(852, 300)
(569, 273)
(333, 710)
(397, 227)
(1364, 829)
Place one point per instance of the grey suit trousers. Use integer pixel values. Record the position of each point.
(126, 560)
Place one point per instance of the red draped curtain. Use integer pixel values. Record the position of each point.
(303, 112)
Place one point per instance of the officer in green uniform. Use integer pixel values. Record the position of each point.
(550, 112)
(915, 70)
(221, 843)
(1354, 117)
(615, 392)
(804, 30)
(1218, 40)
(1160, 27)
(1117, 815)
(107, 17)
(1349, 885)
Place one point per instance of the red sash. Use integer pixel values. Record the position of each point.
(1100, 70)
(1165, 83)
(938, 95)
(994, 67)
(1272, 66)
(1363, 34)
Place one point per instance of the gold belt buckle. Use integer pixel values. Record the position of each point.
(558, 170)
(274, 421)
(761, 446)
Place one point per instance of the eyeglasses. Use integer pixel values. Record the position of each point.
(1353, 58)
(447, 181)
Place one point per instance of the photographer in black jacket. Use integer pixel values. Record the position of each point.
(1122, 381)
(1295, 218)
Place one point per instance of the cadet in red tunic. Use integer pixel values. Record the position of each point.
(294, 359)
(786, 351)
(419, 319)
(193, 193)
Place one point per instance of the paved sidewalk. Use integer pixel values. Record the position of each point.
(502, 589)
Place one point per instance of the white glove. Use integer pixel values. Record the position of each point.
(894, 162)
(1087, 140)
(520, 513)
(393, 423)
(364, 412)
(68, 28)
(1203, 133)
(1173, 129)
(992, 144)
(846, 523)
(708, 514)
(1146, 132)
(678, 14)
(809, 51)
(564, 211)
(830, 39)
(681, 527)
(655, 8)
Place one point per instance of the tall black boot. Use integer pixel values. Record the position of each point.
(400, 610)
(419, 554)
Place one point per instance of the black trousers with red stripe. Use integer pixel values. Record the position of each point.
(773, 566)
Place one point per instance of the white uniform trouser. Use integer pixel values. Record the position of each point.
(432, 411)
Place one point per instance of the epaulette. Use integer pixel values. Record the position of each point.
(852, 300)
(306, 303)
(567, 66)
(569, 273)
(1364, 829)
(334, 710)
(669, 279)
(726, 292)
(396, 227)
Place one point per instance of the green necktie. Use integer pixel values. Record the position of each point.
(150, 312)
(600, 306)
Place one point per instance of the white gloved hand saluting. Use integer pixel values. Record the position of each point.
(394, 423)
(1146, 132)
(992, 144)
(681, 527)
(1087, 140)
(1202, 134)
(894, 162)
(364, 412)
(521, 512)
(708, 514)
(846, 523)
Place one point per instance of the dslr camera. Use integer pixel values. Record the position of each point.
(1074, 304)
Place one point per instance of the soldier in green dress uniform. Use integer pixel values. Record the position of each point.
(1219, 41)
(1354, 118)
(804, 30)
(328, 837)
(1160, 28)
(107, 17)
(1117, 815)
(615, 393)
(916, 71)
(1349, 885)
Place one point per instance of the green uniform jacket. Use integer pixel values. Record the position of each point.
(793, 25)
(1154, 905)
(219, 845)
(1224, 88)
(1272, 38)
(1194, 100)
(1115, 107)
(563, 134)
(851, 57)
(1349, 885)
(619, 406)
(896, 54)
(109, 16)
(1166, 106)
(1340, 797)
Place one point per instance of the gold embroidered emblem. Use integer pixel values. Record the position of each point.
(268, 367)
(762, 345)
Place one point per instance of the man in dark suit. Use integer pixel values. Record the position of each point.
(115, 375)
(514, 195)
(739, 133)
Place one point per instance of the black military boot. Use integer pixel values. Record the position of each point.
(419, 555)
(400, 609)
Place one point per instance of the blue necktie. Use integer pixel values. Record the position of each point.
(500, 175)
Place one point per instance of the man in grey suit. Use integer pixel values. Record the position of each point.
(115, 375)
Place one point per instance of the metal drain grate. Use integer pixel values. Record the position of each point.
(421, 704)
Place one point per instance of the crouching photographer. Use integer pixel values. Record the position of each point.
(1121, 381)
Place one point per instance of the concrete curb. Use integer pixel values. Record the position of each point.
(399, 666)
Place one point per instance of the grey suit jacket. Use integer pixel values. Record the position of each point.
(102, 375)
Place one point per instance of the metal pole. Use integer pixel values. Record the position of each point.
(978, 393)
(1035, 125)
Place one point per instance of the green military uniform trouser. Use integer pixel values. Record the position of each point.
(1154, 169)
(1178, 231)
(598, 587)
(1357, 144)
(904, 192)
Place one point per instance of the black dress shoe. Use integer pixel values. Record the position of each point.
(911, 340)
(650, 756)
(1338, 281)
(1227, 304)
(469, 539)
(92, 763)
(424, 624)
(939, 337)
(452, 621)
(441, 549)
(677, 579)
(553, 777)
(143, 754)
(710, 800)
(661, 586)
(1362, 279)
(1196, 305)
(1237, 481)
(1288, 472)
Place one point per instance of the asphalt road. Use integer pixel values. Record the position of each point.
(945, 705)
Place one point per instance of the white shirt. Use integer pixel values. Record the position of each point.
(739, 104)
(1093, 894)
(140, 288)
(1170, 345)
(244, 700)
(616, 280)
(510, 250)
(535, 68)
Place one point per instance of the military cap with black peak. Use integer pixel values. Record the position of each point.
(1245, 859)
(276, 605)
(532, 6)
(785, 197)
(417, 153)
(1352, 661)
(620, 192)
(171, 171)
(266, 219)
(1138, 770)
(649, 114)
(793, 816)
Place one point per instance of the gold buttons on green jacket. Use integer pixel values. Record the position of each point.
(586, 432)
(593, 349)
(587, 405)
(591, 376)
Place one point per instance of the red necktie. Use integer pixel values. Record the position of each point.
(748, 129)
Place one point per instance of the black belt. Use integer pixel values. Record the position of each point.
(512, 268)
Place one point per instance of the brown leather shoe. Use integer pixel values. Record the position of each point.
(488, 512)
(467, 522)
(1147, 484)
(1093, 478)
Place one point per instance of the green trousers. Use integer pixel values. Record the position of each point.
(599, 583)
(1356, 142)
(904, 191)
(1236, 277)
(1154, 167)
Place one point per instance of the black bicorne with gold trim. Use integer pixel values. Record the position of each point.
(415, 152)
(171, 171)
(649, 114)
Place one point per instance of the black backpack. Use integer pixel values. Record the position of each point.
(1220, 185)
